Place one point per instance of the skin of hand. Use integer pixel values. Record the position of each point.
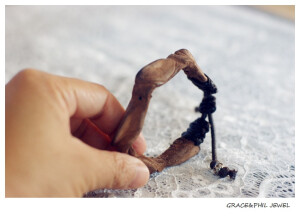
(58, 132)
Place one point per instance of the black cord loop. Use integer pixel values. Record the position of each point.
(208, 105)
(196, 131)
(207, 87)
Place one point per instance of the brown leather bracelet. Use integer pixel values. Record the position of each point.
(148, 78)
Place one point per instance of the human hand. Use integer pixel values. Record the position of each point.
(58, 133)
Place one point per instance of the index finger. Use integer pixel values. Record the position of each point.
(89, 100)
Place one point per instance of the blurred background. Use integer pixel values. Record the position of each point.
(248, 51)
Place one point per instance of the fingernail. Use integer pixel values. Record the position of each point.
(141, 176)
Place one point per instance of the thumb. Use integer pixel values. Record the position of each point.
(113, 170)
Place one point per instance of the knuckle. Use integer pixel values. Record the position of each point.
(26, 79)
(42, 84)
(33, 79)
(27, 75)
(27, 71)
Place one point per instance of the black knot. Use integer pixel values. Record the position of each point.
(232, 173)
(225, 171)
(207, 87)
(196, 131)
(207, 105)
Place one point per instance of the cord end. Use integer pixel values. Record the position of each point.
(221, 171)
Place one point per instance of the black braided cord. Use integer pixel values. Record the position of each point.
(198, 128)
